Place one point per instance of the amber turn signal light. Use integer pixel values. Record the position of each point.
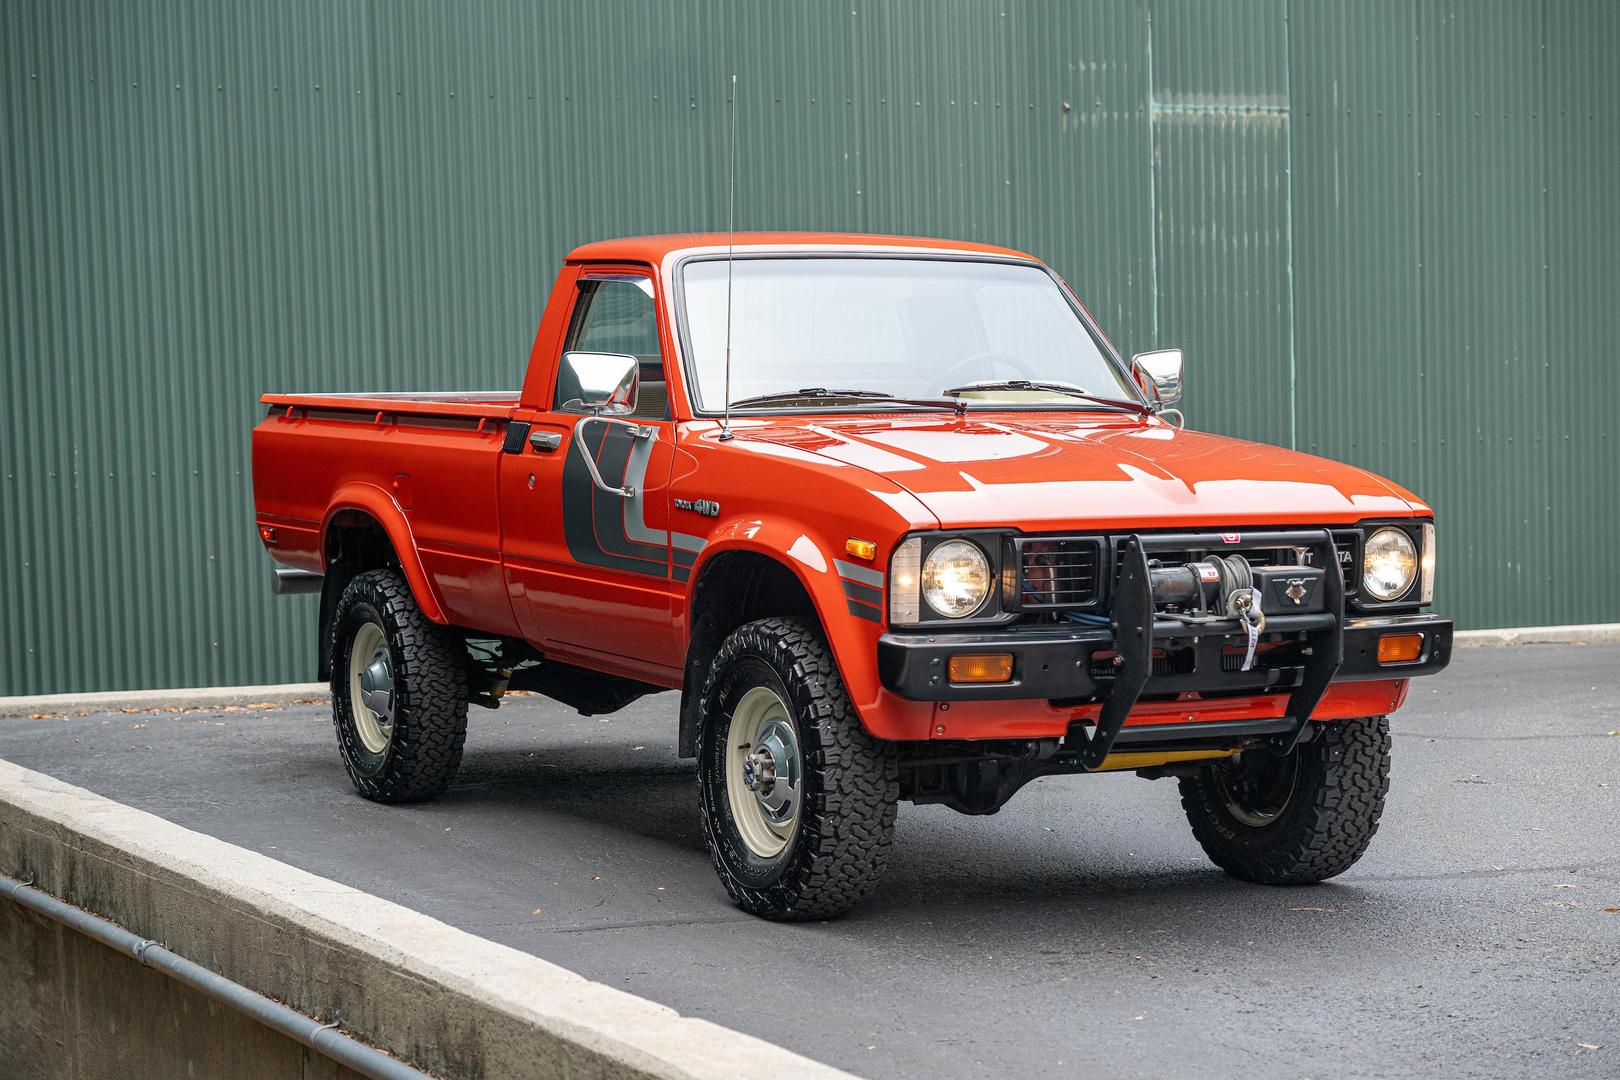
(861, 549)
(981, 667)
(1399, 648)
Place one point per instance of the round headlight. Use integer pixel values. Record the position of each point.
(956, 579)
(1388, 564)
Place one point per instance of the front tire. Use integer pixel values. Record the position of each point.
(798, 801)
(1298, 819)
(399, 691)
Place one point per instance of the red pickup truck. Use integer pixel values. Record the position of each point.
(897, 521)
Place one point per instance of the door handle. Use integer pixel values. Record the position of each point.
(544, 442)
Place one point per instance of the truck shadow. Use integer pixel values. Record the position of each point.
(1141, 875)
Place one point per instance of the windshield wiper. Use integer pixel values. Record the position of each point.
(1050, 387)
(821, 392)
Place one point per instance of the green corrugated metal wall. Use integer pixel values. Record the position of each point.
(1385, 231)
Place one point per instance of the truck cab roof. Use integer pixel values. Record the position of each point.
(655, 249)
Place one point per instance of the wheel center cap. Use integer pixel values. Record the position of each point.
(759, 770)
(377, 689)
(771, 771)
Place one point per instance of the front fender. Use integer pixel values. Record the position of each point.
(379, 505)
(848, 597)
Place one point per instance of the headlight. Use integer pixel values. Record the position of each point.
(956, 578)
(1389, 562)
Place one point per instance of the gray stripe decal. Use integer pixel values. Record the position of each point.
(870, 614)
(688, 542)
(859, 573)
(635, 476)
(864, 593)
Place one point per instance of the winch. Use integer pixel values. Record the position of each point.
(1229, 587)
(1214, 587)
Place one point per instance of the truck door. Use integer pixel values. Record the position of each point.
(589, 569)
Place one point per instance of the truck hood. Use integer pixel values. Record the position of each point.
(1091, 471)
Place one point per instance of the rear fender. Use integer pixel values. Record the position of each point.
(381, 507)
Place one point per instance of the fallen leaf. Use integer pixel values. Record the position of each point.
(1590, 1046)
(536, 911)
(1563, 885)
(447, 828)
(1611, 910)
(1498, 868)
(596, 877)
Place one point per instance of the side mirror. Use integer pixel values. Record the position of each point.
(1158, 373)
(602, 384)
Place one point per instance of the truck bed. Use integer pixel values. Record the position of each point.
(424, 465)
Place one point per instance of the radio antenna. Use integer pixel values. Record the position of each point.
(731, 234)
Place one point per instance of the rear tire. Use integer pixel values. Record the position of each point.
(1294, 820)
(399, 691)
(798, 801)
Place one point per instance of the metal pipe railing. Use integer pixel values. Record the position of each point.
(324, 1039)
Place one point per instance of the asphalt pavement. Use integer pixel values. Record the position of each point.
(1079, 932)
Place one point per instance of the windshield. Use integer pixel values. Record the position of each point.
(890, 327)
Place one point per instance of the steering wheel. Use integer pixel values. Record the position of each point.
(986, 362)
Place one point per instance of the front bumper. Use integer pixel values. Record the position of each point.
(1059, 663)
(1053, 663)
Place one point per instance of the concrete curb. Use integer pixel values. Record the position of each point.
(201, 697)
(1583, 634)
(452, 1002)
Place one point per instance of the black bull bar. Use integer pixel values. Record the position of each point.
(1135, 629)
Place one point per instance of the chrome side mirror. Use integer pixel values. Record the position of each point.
(606, 384)
(1158, 373)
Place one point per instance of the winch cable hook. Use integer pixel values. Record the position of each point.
(1242, 600)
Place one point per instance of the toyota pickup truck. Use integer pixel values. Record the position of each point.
(899, 524)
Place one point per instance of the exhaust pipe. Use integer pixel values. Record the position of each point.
(287, 581)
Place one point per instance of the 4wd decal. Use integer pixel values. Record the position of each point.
(706, 507)
(609, 531)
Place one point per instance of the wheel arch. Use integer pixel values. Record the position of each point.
(364, 529)
(762, 573)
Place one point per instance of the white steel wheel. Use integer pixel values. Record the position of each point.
(764, 773)
(371, 687)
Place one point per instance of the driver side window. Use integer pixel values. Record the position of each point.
(617, 315)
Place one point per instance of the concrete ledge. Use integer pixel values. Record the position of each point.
(452, 1002)
(1582, 634)
(192, 697)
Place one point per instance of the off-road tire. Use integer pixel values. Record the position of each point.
(430, 680)
(1327, 823)
(850, 779)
